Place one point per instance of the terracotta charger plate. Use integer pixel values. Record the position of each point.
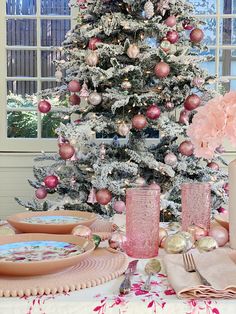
(223, 220)
(53, 222)
(39, 254)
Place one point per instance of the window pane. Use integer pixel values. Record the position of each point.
(204, 6)
(47, 85)
(55, 7)
(21, 32)
(228, 6)
(53, 32)
(50, 122)
(21, 63)
(22, 124)
(23, 7)
(227, 62)
(17, 94)
(228, 31)
(210, 66)
(229, 86)
(210, 31)
(48, 68)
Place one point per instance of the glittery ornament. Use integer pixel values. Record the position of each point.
(149, 9)
(119, 206)
(74, 100)
(197, 232)
(213, 166)
(117, 241)
(192, 102)
(82, 231)
(133, 51)
(196, 35)
(184, 117)
(162, 69)
(165, 45)
(153, 112)
(102, 152)
(170, 159)
(220, 234)
(66, 151)
(51, 181)
(84, 93)
(41, 193)
(172, 36)
(189, 239)
(74, 86)
(92, 199)
(169, 105)
(186, 148)
(92, 59)
(139, 122)
(175, 244)
(123, 129)
(93, 43)
(126, 85)
(44, 106)
(58, 75)
(198, 81)
(103, 196)
(95, 98)
(207, 244)
(162, 234)
(170, 21)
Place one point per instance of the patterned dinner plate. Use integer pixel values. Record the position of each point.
(38, 254)
(55, 222)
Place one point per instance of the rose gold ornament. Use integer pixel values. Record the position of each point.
(171, 21)
(213, 166)
(74, 86)
(74, 100)
(170, 159)
(66, 151)
(82, 231)
(92, 199)
(126, 85)
(184, 117)
(196, 35)
(139, 122)
(123, 129)
(92, 59)
(220, 234)
(103, 196)
(169, 105)
(41, 193)
(165, 45)
(51, 181)
(197, 232)
(153, 112)
(44, 106)
(192, 102)
(95, 98)
(187, 25)
(119, 206)
(133, 51)
(162, 234)
(172, 36)
(93, 43)
(162, 69)
(186, 148)
(117, 241)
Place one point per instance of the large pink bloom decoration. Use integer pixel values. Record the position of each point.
(213, 123)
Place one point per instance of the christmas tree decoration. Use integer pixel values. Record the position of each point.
(92, 199)
(103, 196)
(117, 241)
(184, 117)
(186, 148)
(220, 234)
(139, 122)
(126, 85)
(149, 9)
(123, 129)
(165, 45)
(171, 159)
(198, 81)
(66, 151)
(192, 102)
(84, 93)
(95, 98)
(169, 105)
(153, 186)
(196, 35)
(226, 187)
(44, 106)
(92, 59)
(102, 152)
(93, 43)
(133, 51)
(162, 69)
(207, 244)
(171, 21)
(41, 193)
(74, 100)
(163, 6)
(119, 206)
(172, 36)
(153, 112)
(82, 231)
(197, 232)
(51, 181)
(58, 75)
(74, 86)
(213, 166)
(96, 240)
(176, 244)
(140, 181)
(189, 239)
(187, 25)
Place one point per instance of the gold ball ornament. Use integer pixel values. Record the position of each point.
(92, 59)
(175, 244)
(162, 234)
(189, 239)
(133, 51)
(207, 244)
(126, 85)
(123, 129)
(82, 231)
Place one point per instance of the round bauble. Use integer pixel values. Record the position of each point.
(198, 81)
(95, 98)
(207, 244)
(213, 166)
(139, 122)
(172, 36)
(92, 59)
(162, 234)
(44, 106)
(66, 151)
(165, 45)
(169, 105)
(133, 51)
(196, 35)
(192, 102)
(189, 239)
(41, 193)
(171, 21)
(126, 85)
(170, 159)
(154, 186)
(222, 210)
(186, 148)
(123, 129)
(175, 244)
(74, 100)
(220, 234)
(117, 241)
(162, 243)
(82, 231)
(51, 181)
(184, 117)
(153, 112)
(197, 232)
(162, 69)
(74, 86)
(103, 196)
(140, 181)
(174, 226)
(93, 43)
(119, 206)
(187, 25)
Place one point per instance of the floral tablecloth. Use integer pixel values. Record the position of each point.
(105, 299)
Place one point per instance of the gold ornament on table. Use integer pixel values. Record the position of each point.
(163, 234)
(149, 9)
(175, 244)
(189, 239)
(92, 59)
(133, 51)
(207, 244)
(123, 129)
(82, 231)
(126, 85)
(174, 226)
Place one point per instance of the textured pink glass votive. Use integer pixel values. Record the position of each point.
(196, 205)
(142, 221)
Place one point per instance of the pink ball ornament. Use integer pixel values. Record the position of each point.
(222, 210)
(103, 196)
(119, 206)
(170, 21)
(196, 35)
(170, 159)
(184, 117)
(82, 231)
(51, 181)
(153, 112)
(187, 25)
(41, 193)
(74, 100)
(172, 37)
(197, 232)
(186, 148)
(74, 86)
(117, 241)
(169, 105)
(44, 106)
(140, 181)
(192, 102)
(139, 122)
(198, 81)
(66, 151)
(220, 234)
(162, 69)
(93, 43)
(213, 166)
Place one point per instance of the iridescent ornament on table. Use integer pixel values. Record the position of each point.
(92, 45)
(51, 181)
(170, 21)
(74, 86)
(190, 240)
(103, 196)
(41, 193)
(206, 244)
(165, 45)
(153, 112)
(44, 106)
(82, 231)
(133, 51)
(119, 206)
(162, 69)
(192, 102)
(123, 129)
(213, 165)
(117, 241)
(102, 151)
(176, 244)
(196, 35)
(126, 84)
(92, 59)
(184, 117)
(139, 122)
(186, 148)
(149, 9)
(170, 159)
(58, 75)
(92, 199)
(74, 100)
(95, 98)
(220, 234)
(172, 36)
(66, 151)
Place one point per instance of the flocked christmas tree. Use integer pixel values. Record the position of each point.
(130, 65)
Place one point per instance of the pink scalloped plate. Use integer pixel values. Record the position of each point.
(53, 222)
(223, 220)
(37, 254)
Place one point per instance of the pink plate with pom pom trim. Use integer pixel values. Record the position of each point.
(223, 220)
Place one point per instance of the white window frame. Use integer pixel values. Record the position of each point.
(24, 144)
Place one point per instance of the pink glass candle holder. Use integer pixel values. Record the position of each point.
(142, 221)
(196, 205)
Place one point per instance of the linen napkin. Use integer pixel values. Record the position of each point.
(217, 267)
